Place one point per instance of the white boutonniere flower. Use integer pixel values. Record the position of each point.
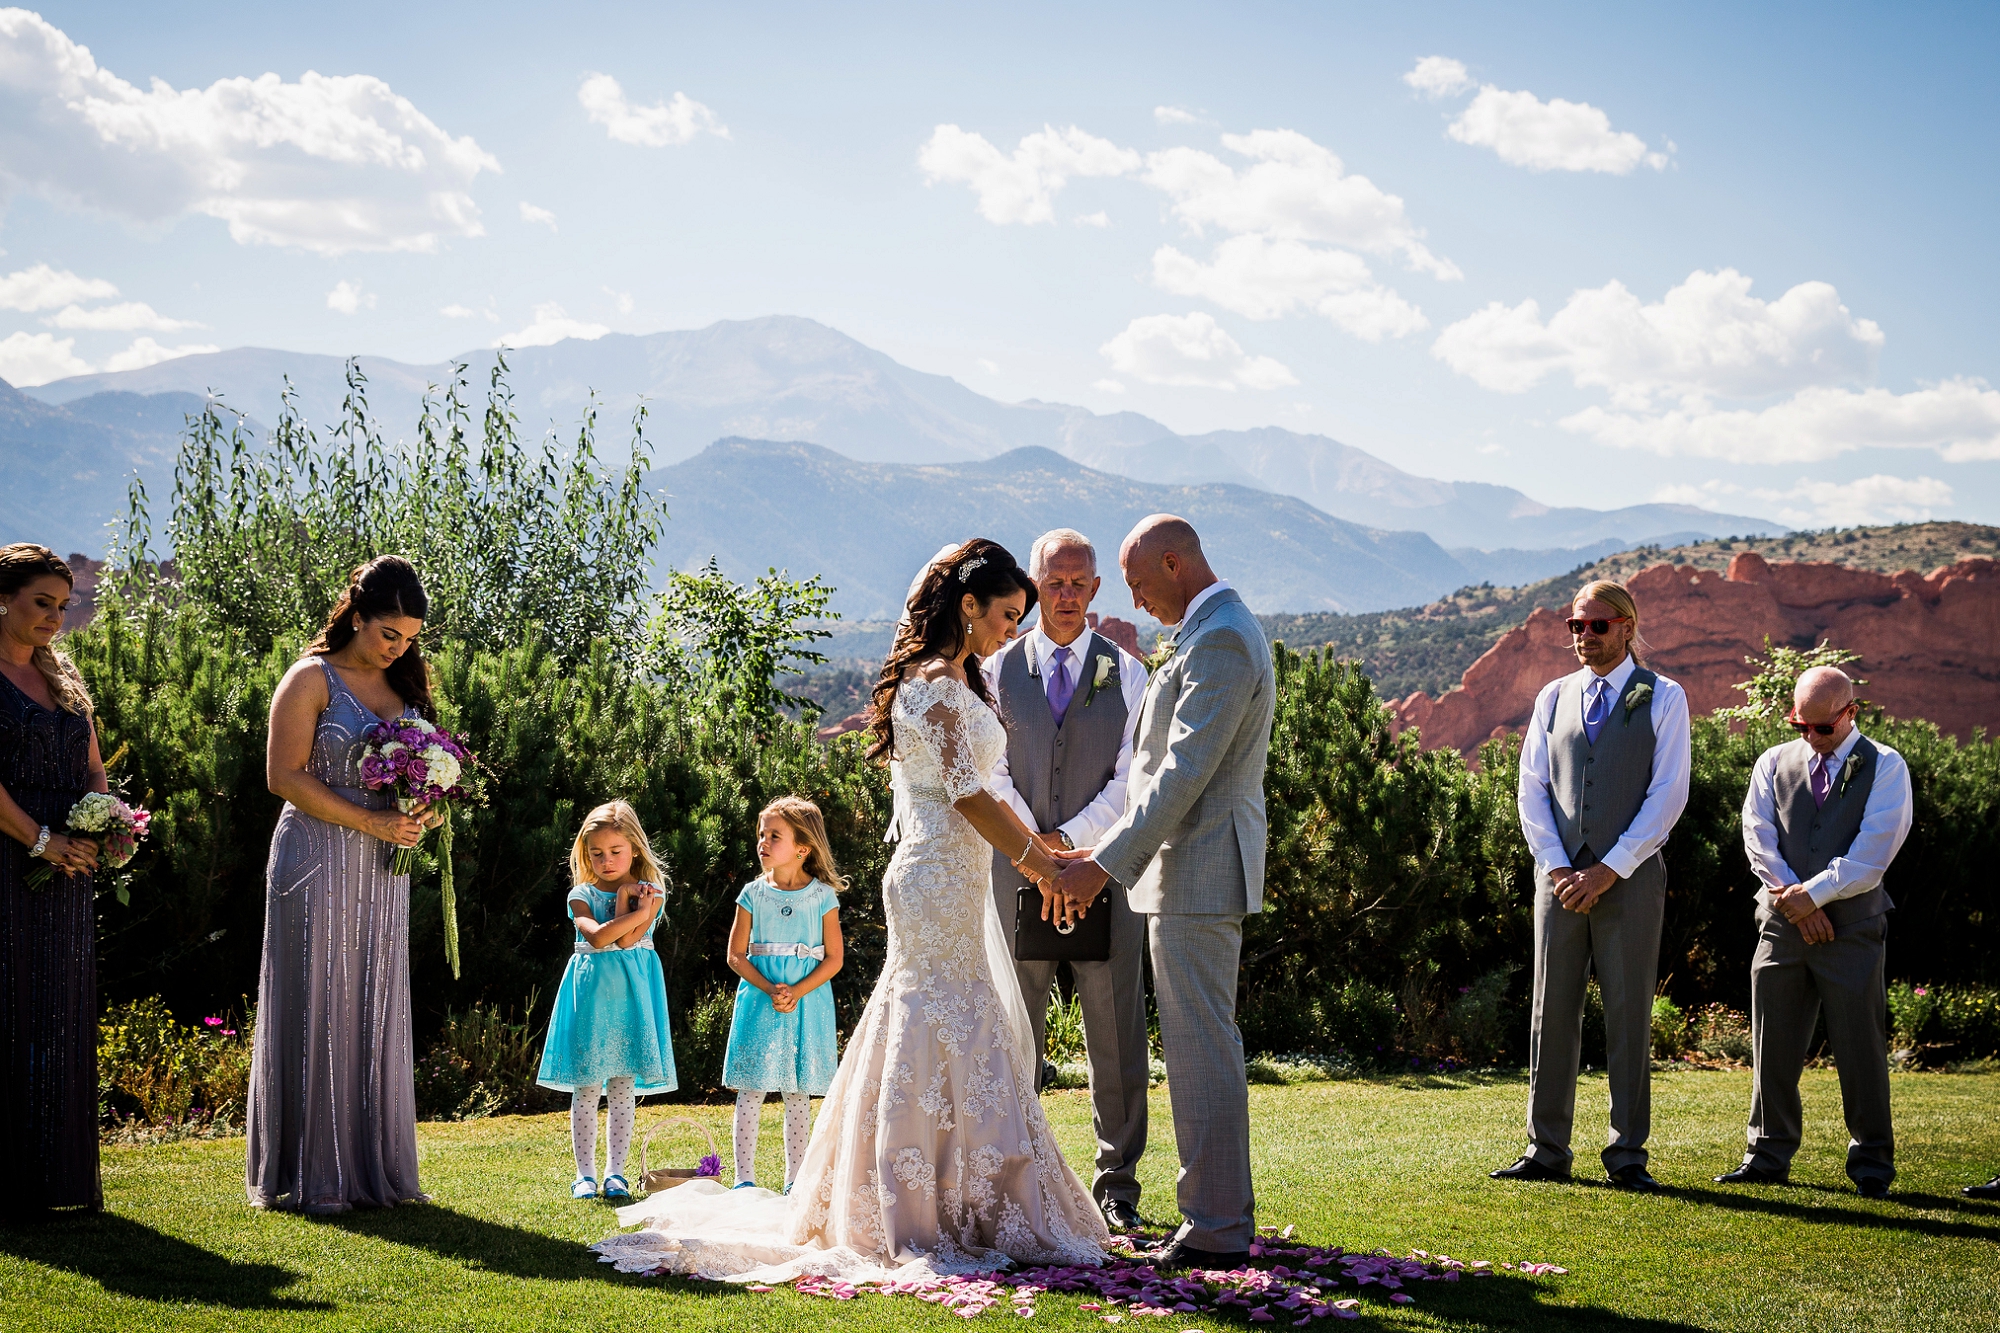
(1106, 672)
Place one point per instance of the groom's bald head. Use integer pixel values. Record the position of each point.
(1164, 566)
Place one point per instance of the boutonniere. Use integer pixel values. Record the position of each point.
(1107, 671)
(1635, 694)
(1847, 772)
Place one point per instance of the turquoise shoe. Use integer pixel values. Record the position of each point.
(746, 1185)
(615, 1188)
(585, 1188)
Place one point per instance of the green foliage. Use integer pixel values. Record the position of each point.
(1480, 1031)
(155, 1072)
(701, 1040)
(710, 631)
(1768, 692)
(1670, 1029)
(1065, 1030)
(1722, 1033)
(1964, 1020)
(483, 1062)
(264, 532)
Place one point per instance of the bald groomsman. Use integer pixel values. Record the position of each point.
(1071, 699)
(1604, 777)
(1825, 815)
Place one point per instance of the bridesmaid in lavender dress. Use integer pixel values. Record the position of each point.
(333, 1119)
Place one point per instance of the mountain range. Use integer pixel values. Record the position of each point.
(68, 447)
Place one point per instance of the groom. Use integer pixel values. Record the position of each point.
(1191, 845)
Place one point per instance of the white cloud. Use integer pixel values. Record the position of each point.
(1173, 115)
(1107, 386)
(1191, 351)
(1706, 337)
(36, 358)
(124, 317)
(1020, 188)
(990, 367)
(1959, 418)
(327, 164)
(44, 288)
(347, 297)
(661, 125)
(1296, 191)
(530, 213)
(1828, 504)
(145, 352)
(550, 325)
(1265, 279)
(1550, 136)
(1097, 219)
(455, 311)
(1439, 76)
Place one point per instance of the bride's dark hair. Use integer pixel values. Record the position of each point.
(936, 624)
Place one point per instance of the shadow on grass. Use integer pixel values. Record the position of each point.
(1850, 1213)
(1505, 1302)
(127, 1258)
(475, 1242)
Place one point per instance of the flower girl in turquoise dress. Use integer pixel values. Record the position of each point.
(609, 1029)
(786, 947)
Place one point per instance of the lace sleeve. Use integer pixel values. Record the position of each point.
(946, 729)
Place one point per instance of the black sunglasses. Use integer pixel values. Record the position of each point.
(1822, 728)
(1597, 627)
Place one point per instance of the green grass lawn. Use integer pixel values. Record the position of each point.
(1390, 1163)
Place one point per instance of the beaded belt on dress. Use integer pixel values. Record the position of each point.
(646, 943)
(788, 951)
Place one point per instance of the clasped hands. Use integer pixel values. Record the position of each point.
(1798, 907)
(783, 998)
(1069, 885)
(1579, 890)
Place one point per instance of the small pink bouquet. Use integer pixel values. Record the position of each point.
(422, 765)
(116, 828)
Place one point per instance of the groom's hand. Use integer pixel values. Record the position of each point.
(1080, 882)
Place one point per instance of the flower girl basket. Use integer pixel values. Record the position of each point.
(666, 1177)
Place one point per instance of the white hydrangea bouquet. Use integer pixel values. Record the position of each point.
(422, 765)
(116, 828)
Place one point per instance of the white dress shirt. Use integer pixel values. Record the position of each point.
(1088, 824)
(1666, 793)
(1194, 603)
(1885, 822)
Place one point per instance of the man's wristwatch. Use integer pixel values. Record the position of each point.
(1063, 838)
(41, 843)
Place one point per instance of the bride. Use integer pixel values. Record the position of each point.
(930, 1152)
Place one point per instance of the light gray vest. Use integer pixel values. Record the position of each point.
(1599, 789)
(1058, 770)
(1810, 836)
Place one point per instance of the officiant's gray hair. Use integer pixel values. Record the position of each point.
(1056, 540)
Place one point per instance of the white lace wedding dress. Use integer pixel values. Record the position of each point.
(930, 1152)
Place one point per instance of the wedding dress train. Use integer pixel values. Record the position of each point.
(930, 1152)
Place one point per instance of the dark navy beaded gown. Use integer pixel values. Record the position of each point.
(48, 974)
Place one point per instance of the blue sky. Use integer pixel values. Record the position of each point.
(1223, 216)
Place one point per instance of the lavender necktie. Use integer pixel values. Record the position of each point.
(1822, 782)
(1595, 708)
(1061, 691)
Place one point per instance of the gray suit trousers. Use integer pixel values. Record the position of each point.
(1195, 963)
(1113, 997)
(1619, 940)
(1790, 981)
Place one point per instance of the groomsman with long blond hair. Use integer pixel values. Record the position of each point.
(1604, 777)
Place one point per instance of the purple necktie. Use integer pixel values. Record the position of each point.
(1595, 708)
(1821, 780)
(1060, 689)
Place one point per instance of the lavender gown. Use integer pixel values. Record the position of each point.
(333, 1117)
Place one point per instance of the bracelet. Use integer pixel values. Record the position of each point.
(41, 843)
(1026, 847)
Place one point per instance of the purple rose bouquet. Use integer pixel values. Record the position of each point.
(423, 765)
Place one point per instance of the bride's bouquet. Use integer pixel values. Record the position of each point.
(423, 765)
(114, 826)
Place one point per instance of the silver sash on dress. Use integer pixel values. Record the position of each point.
(646, 943)
(817, 951)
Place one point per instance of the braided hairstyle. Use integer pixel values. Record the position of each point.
(21, 564)
(935, 625)
(386, 586)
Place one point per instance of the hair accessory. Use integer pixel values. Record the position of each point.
(965, 570)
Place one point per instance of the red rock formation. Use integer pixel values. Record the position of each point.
(1930, 646)
(1121, 632)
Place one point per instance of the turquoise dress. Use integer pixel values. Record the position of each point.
(770, 1051)
(610, 1019)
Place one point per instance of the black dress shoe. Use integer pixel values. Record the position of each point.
(1635, 1178)
(1528, 1169)
(1990, 1190)
(1048, 1077)
(1122, 1215)
(1872, 1187)
(1747, 1174)
(1179, 1255)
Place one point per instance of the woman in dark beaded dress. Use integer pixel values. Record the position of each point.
(48, 935)
(333, 1118)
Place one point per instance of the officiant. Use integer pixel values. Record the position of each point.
(1071, 698)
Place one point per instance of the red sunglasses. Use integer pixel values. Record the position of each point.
(1597, 627)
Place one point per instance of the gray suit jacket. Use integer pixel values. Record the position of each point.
(1192, 837)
